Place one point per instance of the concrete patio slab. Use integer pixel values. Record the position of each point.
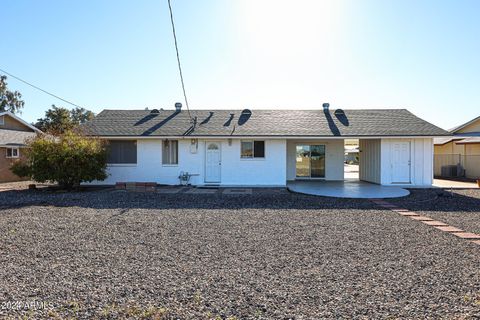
(346, 189)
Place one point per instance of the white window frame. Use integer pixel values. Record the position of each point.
(253, 150)
(12, 156)
(2, 120)
(170, 162)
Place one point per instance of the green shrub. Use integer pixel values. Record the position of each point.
(68, 159)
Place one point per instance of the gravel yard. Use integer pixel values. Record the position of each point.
(458, 207)
(266, 255)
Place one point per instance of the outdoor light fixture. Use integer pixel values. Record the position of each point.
(193, 145)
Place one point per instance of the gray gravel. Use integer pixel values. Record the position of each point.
(458, 207)
(269, 255)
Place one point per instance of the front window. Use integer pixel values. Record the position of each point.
(170, 152)
(122, 152)
(252, 149)
(2, 120)
(13, 152)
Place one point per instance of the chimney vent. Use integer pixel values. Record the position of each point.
(178, 106)
(326, 106)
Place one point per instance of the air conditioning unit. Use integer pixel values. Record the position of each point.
(449, 171)
(452, 171)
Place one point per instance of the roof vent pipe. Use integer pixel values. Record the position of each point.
(326, 106)
(178, 107)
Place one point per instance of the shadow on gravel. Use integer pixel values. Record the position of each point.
(131, 200)
(419, 199)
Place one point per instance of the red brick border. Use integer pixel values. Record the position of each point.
(439, 225)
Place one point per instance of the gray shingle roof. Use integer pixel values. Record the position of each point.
(354, 123)
(15, 138)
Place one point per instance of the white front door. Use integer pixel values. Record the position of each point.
(213, 162)
(401, 162)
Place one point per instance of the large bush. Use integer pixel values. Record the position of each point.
(68, 159)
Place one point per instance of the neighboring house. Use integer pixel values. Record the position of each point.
(459, 155)
(13, 134)
(264, 147)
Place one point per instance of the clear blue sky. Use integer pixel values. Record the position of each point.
(261, 54)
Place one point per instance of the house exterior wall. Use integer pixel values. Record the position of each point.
(421, 157)
(6, 175)
(268, 171)
(370, 160)
(467, 155)
(276, 168)
(472, 149)
(450, 148)
(9, 123)
(472, 160)
(334, 157)
(149, 167)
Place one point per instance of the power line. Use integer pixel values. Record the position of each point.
(44, 91)
(178, 59)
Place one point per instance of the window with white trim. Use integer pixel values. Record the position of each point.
(13, 153)
(2, 120)
(251, 149)
(170, 152)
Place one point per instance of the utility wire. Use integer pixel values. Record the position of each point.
(178, 60)
(44, 91)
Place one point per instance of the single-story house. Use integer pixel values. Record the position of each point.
(459, 154)
(13, 133)
(264, 147)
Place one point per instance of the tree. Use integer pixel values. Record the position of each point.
(9, 100)
(59, 120)
(68, 159)
(81, 115)
(56, 121)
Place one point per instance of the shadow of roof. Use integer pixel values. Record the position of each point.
(420, 200)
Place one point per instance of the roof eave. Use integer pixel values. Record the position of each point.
(117, 137)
